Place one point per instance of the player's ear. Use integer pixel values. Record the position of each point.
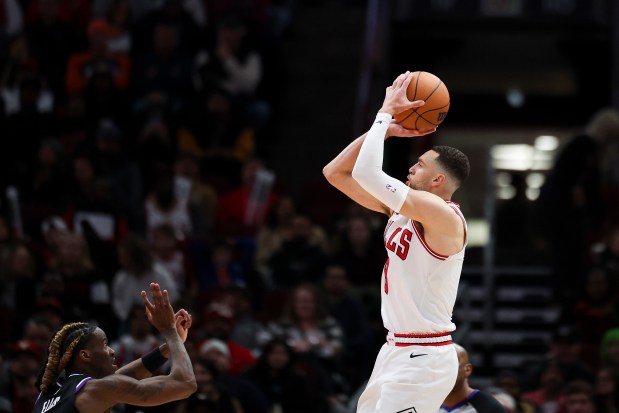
(84, 355)
(438, 179)
(468, 369)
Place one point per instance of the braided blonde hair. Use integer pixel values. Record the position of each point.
(62, 348)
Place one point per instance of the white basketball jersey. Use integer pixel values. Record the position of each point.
(419, 286)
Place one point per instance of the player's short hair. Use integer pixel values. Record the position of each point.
(454, 162)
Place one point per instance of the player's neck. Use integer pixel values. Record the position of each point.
(445, 195)
(458, 395)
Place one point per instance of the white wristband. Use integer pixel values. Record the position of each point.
(368, 169)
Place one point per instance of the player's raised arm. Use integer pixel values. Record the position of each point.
(429, 184)
(101, 394)
(339, 171)
(148, 364)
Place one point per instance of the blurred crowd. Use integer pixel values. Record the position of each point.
(133, 136)
(133, 152)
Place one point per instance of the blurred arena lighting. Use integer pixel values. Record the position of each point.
(478, 232)
(520, 157)
(546, 143)
(515, 98)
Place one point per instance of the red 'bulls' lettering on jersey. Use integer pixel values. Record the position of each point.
(402, 245)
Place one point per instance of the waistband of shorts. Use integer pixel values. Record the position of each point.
(419, 339)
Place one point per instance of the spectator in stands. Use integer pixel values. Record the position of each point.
(82, 66)
(222, 269)
(212, 395)
(595, 313)
(464, 398)
(173, 13)
(579, 397)
(103, 99)
(299, 258)
(509, 381)
(17, 384)
(52, 311)
(53, 40)
(609, 350)
(165, 68)
(44, 190)
(249, 395)
(20, 63)
(137, 271)
(112, 162)
(358, 251)
(235, 66)
(93, 203)
(274, 231)
(12, 21)
(548, 396)
(242, 210)
(138, 341)
(310, 330)
(286, 388)
(168, 253)
(118, 15)
(566, 351)
(163, 206)
(79, 283)
(26, 128)
(155, 148)
(217, 324)
(504, 398)
(18, 271)
(248, 330)
(278, 229)
(38, 331)
(349, 312)
(202, 198)
(606, 391)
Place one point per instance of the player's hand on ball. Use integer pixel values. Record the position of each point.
(396, 100)
(395, 129)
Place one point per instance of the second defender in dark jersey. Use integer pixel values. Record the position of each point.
(465, 399)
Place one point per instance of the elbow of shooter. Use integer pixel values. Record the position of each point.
(328, 173)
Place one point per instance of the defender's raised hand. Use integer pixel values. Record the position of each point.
(159, 312)
(183, 323)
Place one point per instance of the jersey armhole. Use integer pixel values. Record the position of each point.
(466, 232)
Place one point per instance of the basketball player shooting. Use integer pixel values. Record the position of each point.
(425, 238)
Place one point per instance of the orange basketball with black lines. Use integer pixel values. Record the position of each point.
(431, 89)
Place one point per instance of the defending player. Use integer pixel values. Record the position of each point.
(425, 239)
(80, 374)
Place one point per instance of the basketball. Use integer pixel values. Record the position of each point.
(429, 88)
